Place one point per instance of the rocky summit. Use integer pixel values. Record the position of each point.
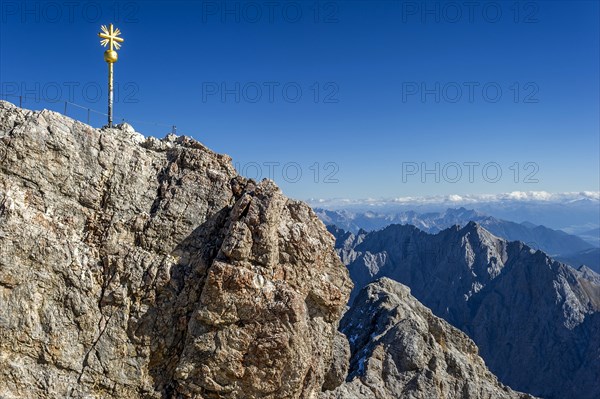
(399, 349)
(133, 267)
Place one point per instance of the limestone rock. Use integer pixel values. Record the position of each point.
(145, 268)
(341, 361)
(401, 350)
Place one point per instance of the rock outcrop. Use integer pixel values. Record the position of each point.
(401, 350)
(145, 268)
(536, 321)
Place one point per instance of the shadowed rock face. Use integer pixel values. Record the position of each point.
(144, 268)
(535, 320)
(401, 350)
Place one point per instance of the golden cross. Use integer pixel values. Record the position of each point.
(110, 37)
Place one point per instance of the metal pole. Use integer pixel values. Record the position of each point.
(110, 37)
(65, 108)
(110, 94)
(88, 120)
(20, 101)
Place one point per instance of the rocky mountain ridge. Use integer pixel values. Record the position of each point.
(133, 267)
(587, 257)
(535, 320)
(553, 242)
(400, 349)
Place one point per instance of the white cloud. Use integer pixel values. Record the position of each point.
(469, 199)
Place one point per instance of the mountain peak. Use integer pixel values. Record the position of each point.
(474, 229)
(135, 267)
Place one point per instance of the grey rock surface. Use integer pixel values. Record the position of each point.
(341, 361)
(401, 350)
(133, 267)
(536, 321)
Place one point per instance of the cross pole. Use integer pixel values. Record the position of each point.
(110, 37)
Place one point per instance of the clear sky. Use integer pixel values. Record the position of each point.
(367, 93)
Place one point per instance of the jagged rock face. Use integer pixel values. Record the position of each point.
(133, 267)
(536, 321)
(401, 350)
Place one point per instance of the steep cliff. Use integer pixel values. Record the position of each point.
(132, 267)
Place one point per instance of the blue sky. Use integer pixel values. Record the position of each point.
(388, 88)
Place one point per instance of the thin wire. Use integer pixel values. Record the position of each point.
(77, 105)
(98, 112)
(91, 110)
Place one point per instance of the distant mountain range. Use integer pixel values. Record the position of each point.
(536, 320)
(553, 242)
(588, 257)
(591, 236)
(573, 212)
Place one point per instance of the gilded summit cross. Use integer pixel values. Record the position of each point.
(110, 37)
